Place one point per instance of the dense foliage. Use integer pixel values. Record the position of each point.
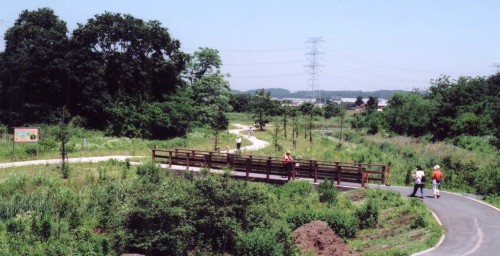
(115, 73)
(160, 213)
(465, 107)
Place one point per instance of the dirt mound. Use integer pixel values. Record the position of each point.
(318, 238)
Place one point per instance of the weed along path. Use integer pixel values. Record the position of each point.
(70, 160)
(471, 226)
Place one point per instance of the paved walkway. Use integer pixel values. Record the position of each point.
(471, 227)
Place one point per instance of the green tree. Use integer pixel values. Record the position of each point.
(311, 111)
(410, 113)
(121, 59)
(359, 101)
(204, 61)
(261, 107)
(35, 68)
(240, 102)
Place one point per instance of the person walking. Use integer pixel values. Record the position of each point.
(250, 131)
(437, 176)
(287, 163)
(419, 179)
(238, 142)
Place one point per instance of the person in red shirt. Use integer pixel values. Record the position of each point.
(437, 176)
(288, 163)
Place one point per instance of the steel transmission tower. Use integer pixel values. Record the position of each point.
(313, 67)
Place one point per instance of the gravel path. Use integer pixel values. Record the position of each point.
(256, 143)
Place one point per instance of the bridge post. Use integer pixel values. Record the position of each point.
(338, 169)
(311, 168)
(169, 159)
(187, 161)
(315, 174)
(209, 160)
(153, 154)
(364, 178)
(249, 166)
(388, 175)
(229, 160)
(268, 168)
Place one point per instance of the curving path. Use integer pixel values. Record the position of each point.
(471, 227)
(256, 143)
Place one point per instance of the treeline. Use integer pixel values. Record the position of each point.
(115, 73)
(448, 110)
(325, 95)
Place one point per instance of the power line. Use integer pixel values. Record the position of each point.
(496, 65)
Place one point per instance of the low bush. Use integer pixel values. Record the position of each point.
(276, 240)
(327, 192)
(367, 214)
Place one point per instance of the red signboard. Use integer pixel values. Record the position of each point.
(25, 134)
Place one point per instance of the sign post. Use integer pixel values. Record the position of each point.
(24, 135)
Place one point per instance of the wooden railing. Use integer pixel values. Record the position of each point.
(272, 167)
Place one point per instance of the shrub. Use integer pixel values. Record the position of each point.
(342, 222)
(327, 192)
(149, 172)
(264, 241)
(368, 214)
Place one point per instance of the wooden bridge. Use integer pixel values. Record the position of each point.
(271, 169)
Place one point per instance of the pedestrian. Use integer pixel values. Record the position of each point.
(287, 163)
(238, 142)
(419, 179)
(437, 176)
(250, 131)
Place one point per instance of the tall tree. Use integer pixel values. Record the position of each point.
(359, 101)
(203, 61)
(128, 60)
(35, 69)
(261, 105)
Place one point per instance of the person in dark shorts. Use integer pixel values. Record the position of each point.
(287, 163)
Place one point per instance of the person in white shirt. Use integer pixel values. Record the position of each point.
(238, 142)
(419, 178)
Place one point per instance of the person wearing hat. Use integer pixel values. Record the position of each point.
(437, 176)
(287, 163)
(419, 178)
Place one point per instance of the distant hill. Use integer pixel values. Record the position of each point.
(335, 95)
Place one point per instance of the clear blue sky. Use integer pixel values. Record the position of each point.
(367, 45)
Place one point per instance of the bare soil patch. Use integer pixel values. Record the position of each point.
(319, 239)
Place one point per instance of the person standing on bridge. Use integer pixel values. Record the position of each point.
(238, 142)
(419, 178)
(288, 163)
(437, 176)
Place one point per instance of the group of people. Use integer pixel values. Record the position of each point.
(419, 179)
